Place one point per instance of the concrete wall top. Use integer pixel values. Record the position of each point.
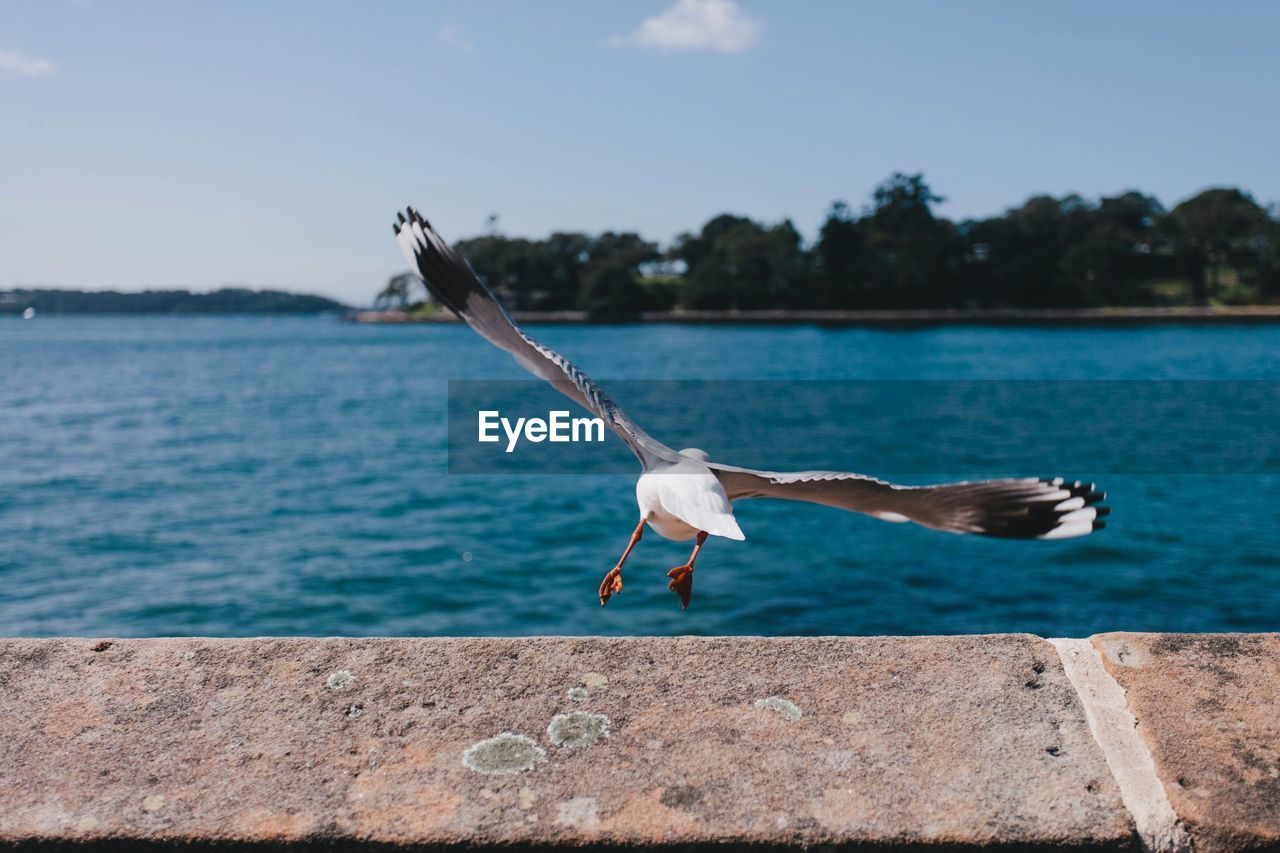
(1125, 741)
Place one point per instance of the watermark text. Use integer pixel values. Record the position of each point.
(557, 427)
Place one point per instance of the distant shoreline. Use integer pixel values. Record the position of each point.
(1254, 314)
(36, 302)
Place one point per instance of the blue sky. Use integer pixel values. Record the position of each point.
(197, 144)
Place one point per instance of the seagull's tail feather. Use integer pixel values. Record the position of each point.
(722, 524)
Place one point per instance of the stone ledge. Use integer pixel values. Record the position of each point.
(684, 743)
(1208, 708)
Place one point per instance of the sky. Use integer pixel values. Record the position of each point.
(182, 144)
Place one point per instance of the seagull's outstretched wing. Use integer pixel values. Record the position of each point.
(451, 280)
(1008, 509)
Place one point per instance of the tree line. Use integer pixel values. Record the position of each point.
(228, 300)
(1219, 246)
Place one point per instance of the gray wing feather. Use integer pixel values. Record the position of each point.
(1028, 508)
(452, 281)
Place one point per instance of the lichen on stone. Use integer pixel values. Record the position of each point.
(785, 707)
(577, 694)
(577, 729)
(504, 754)
(340, 680)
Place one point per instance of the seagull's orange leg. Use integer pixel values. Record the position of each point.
(682, 576)
(613, 581)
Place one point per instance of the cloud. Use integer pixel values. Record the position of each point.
(692, 25)
(451, 34)
(15, 62)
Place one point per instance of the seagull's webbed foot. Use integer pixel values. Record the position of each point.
(682, 576)
(682, 583)
(612, 583)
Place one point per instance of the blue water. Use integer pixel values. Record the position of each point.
(249, 476)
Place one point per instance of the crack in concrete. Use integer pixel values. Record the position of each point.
(1115, 730)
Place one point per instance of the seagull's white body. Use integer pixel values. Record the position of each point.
(679, 501)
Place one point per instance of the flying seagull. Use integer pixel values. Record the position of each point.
(684, 496)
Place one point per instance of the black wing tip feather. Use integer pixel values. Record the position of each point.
(415, 216)
(1039, 516)
(409, 216)
(445, 273)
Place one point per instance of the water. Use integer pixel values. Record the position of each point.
(253, 476)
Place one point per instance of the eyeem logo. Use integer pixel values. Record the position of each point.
(558, 427)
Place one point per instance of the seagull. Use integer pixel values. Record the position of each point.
(683, 495)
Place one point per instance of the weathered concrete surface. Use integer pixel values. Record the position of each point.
(883, 741)
(1115, 730)
(1208, 707)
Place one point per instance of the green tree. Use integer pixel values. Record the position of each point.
(735, 263)
(840, 261)
(610, 282)
(1031, 256)
(1219, 228)
(1046, 253)
(1269, 257)
(912, 257)
(1108, 251)
(401, 292)
(530, 274)
(502, 263)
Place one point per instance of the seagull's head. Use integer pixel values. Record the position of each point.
(695, 453)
